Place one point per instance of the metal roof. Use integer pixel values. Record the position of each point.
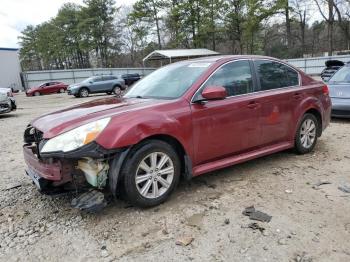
(179, 53)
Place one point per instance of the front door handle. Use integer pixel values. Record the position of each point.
(252, 105)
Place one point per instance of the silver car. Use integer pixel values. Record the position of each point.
(339, 90)
(97, 84)
(7, 101)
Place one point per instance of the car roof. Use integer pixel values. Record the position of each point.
(213, 59)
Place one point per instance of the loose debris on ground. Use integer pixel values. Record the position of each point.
(256, 215)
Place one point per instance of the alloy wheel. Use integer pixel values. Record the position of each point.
(84, 93)
(308, 133)
(154, 175)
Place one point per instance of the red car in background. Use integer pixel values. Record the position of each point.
(184, 119)
(47, 88)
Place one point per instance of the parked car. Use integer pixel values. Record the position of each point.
(131, 78)
(332, 66)
(187, 118)
(7, 101)
(339, 88)
(47, 88)
(97, 84)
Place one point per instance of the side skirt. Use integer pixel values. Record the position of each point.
(236, 159)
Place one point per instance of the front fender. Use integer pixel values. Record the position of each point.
(129, 129)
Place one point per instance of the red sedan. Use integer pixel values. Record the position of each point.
(183, 120)
(47, 88)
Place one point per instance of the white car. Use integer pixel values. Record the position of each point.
(7, 101)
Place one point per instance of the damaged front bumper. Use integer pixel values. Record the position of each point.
(86, 167)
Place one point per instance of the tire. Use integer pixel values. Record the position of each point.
(165, 183)
(61, 91)
(36, 93)
(83, 92)
(117, 90)
(307, 133)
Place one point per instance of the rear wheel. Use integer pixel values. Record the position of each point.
(61, 90)
(150, 173)
(36, 93)
(306, 136)
(83, 92)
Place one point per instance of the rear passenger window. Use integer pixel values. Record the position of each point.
(274, 75)
(236, 77)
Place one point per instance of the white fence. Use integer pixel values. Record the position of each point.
(315, 65)
(311, 66)
(70, 76)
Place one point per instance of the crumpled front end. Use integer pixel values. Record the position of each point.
(59, 172)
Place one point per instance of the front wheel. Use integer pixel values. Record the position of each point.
(37, 93)
(150, 173)
(306, 136)
(83, 92)
(61, 90)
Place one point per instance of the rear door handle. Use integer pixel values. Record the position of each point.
(252, 105)
(298, 95)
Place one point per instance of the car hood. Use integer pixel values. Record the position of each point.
(58, 122)
(339, 90)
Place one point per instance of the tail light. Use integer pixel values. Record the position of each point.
(325, 90)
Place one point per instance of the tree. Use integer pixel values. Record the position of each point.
(149, 12)
(96, 26)
(329, 18)
(299, 10)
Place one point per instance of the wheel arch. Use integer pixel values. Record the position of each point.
(186, 163)
(318, 116)
(85, 88)
(117, 164)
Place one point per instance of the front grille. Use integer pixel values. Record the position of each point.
(341, 112)
(4, 106)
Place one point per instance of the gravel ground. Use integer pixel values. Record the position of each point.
(309, 223)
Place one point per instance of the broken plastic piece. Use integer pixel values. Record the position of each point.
(256, 215)
(95, 171)
(92, 201)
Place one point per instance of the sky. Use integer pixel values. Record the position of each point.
(15, 15)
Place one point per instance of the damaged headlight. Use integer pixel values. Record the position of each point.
(76, 138)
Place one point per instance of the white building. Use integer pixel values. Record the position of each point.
(10, 68)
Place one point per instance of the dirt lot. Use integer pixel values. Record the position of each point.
(307, 223)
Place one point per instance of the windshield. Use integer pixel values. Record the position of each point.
(90, 79)
(168, 82)
(341, 76)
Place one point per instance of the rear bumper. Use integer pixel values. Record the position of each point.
(340, 107)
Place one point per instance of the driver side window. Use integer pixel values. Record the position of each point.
(235, 77)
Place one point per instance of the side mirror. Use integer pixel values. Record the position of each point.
(214, 93)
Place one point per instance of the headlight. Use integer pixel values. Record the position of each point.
(76, 138)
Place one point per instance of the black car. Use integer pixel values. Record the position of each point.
(332, 66)
(131, 78)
